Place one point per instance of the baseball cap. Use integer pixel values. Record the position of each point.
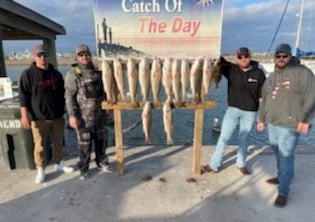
(283, 47)
(39, 48)
(82, 48)
(243, 51)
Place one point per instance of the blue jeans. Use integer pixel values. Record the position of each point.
(283, 142)
(232, 118)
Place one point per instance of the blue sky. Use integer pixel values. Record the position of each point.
(250, 23)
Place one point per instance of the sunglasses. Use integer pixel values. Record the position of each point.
(40, 54)
(282, 56)
(242, 56)
(81, 54)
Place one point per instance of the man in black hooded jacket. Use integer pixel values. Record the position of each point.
(41, 93)
(245, 81)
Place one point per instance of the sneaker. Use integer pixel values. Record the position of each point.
(106, 169)
(40, 177)
(83, 176)
(61, 167)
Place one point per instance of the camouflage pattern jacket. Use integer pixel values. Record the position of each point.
(84, 94)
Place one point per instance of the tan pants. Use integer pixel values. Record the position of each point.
(41, 130)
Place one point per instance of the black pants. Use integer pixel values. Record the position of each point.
(86, 137)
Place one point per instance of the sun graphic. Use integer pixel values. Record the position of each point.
(204, 3)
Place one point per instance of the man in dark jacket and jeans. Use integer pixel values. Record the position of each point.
(288, 107)
(41, 92)
(245, 80)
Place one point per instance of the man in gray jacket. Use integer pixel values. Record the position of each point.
(84, 94)
(288, 107)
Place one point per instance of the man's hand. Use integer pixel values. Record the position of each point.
(260, 126)
(302, 127)
(73, 122)
(25, 122)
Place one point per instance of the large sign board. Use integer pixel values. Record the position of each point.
(163, 28)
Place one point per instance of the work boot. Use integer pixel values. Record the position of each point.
(61, 167)
(244, 170)
(206, 169)
(40, 177)
(280, 201)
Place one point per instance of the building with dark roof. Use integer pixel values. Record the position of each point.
(20, 23)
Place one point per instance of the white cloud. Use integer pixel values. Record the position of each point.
(76, 16)
(249, 23)
(255, 24)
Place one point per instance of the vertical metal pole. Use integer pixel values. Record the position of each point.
(298, 33)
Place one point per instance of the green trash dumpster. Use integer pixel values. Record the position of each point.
(16, 143)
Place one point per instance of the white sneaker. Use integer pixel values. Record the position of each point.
(61, 167)
(40, 177)
(106, 169)
(83, 176)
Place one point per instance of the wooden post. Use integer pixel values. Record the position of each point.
(119, 142)
(198, 131)
(50, 43)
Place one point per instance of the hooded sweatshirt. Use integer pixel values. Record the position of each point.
(42, 93)
(244, 87)
(288, 96)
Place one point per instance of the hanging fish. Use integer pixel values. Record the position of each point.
(184, 78)
(206, 76)
(216, 72)
(195, 80)
(146, 121)
(156, 78)
(119, 78)
(115, 91)
(167, 77)
(107, 78)
(144, 78)
(168, 122)
(176, 80)
(132, 74)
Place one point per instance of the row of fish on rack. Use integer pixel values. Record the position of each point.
(175, 75)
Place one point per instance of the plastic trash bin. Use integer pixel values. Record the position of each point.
(16, 143)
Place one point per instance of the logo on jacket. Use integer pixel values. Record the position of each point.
(48, 82)
(252, 80)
